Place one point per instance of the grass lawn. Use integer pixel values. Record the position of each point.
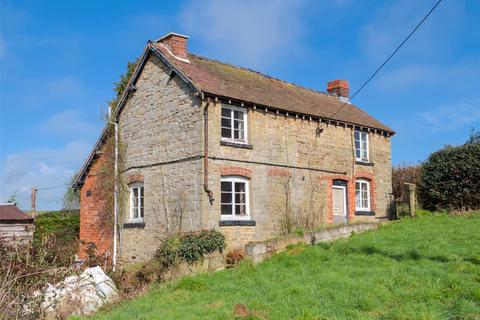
(422, 268)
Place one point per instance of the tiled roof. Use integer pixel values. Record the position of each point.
(10, 212)
(228, 81)
(225, 80)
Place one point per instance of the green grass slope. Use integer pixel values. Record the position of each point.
(422, 268)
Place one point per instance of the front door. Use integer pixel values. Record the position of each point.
(339, 204)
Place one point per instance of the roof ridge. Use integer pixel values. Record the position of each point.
(261, 74)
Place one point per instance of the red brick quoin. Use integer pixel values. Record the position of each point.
(350, 197)
(236, 171)
(350, 193)
(96, 220)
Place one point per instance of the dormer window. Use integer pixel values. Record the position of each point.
(361, 146)
(234, 124)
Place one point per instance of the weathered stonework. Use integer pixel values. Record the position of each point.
(160, 127)
(291, 166)
(303, 189)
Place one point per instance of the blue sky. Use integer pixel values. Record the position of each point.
(59, 59)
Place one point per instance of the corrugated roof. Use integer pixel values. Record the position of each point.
(10, 212)
(243, 84)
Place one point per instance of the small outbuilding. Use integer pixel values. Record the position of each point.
(16, 227)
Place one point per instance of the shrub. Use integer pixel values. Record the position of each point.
(450, 179)
(184, 247)
(189, 247)
(65, 226)
(404, 174)
(24, 269)
(234, 257)
(136, 278)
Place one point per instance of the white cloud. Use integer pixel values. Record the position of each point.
(455, 116)
(68, 123)
(41, 168)
(253, 33)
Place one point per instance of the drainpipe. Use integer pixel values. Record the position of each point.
(205, 155)
(115, 199)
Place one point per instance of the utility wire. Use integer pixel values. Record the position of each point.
(51, 157)
(388, 59)
(54, 187)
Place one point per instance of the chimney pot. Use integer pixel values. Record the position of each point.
(176, 43)
(339, 88)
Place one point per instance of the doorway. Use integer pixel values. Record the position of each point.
(339, 199)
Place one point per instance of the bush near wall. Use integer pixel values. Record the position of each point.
(189, 247)
(64, 225)
(28, 268)
(450, 179)
(402, 174)
(61, 230)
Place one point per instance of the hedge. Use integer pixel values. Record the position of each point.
(450, 179)
(65, 226)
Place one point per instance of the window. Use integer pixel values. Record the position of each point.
(136, 202)
(234, 123)
(234, 198)
(362, 195)
(361, 146)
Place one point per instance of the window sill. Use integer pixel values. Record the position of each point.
(240, 223)
(364, 213)
(132, 225)
(364, 163)
(235, 144)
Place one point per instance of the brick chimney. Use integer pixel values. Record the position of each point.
(339, 88)
(176, 43)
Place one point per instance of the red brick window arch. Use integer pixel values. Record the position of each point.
(236, 171)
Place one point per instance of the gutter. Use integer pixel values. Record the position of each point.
(324, 119)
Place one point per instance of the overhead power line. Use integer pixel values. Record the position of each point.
(388, 59)
(54, 187)
(50, 157)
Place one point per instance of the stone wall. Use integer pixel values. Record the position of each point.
(161, 140)
(304, 188)
(290, 167)
(261, 250)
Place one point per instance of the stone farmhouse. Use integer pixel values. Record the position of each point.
(204, 144)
